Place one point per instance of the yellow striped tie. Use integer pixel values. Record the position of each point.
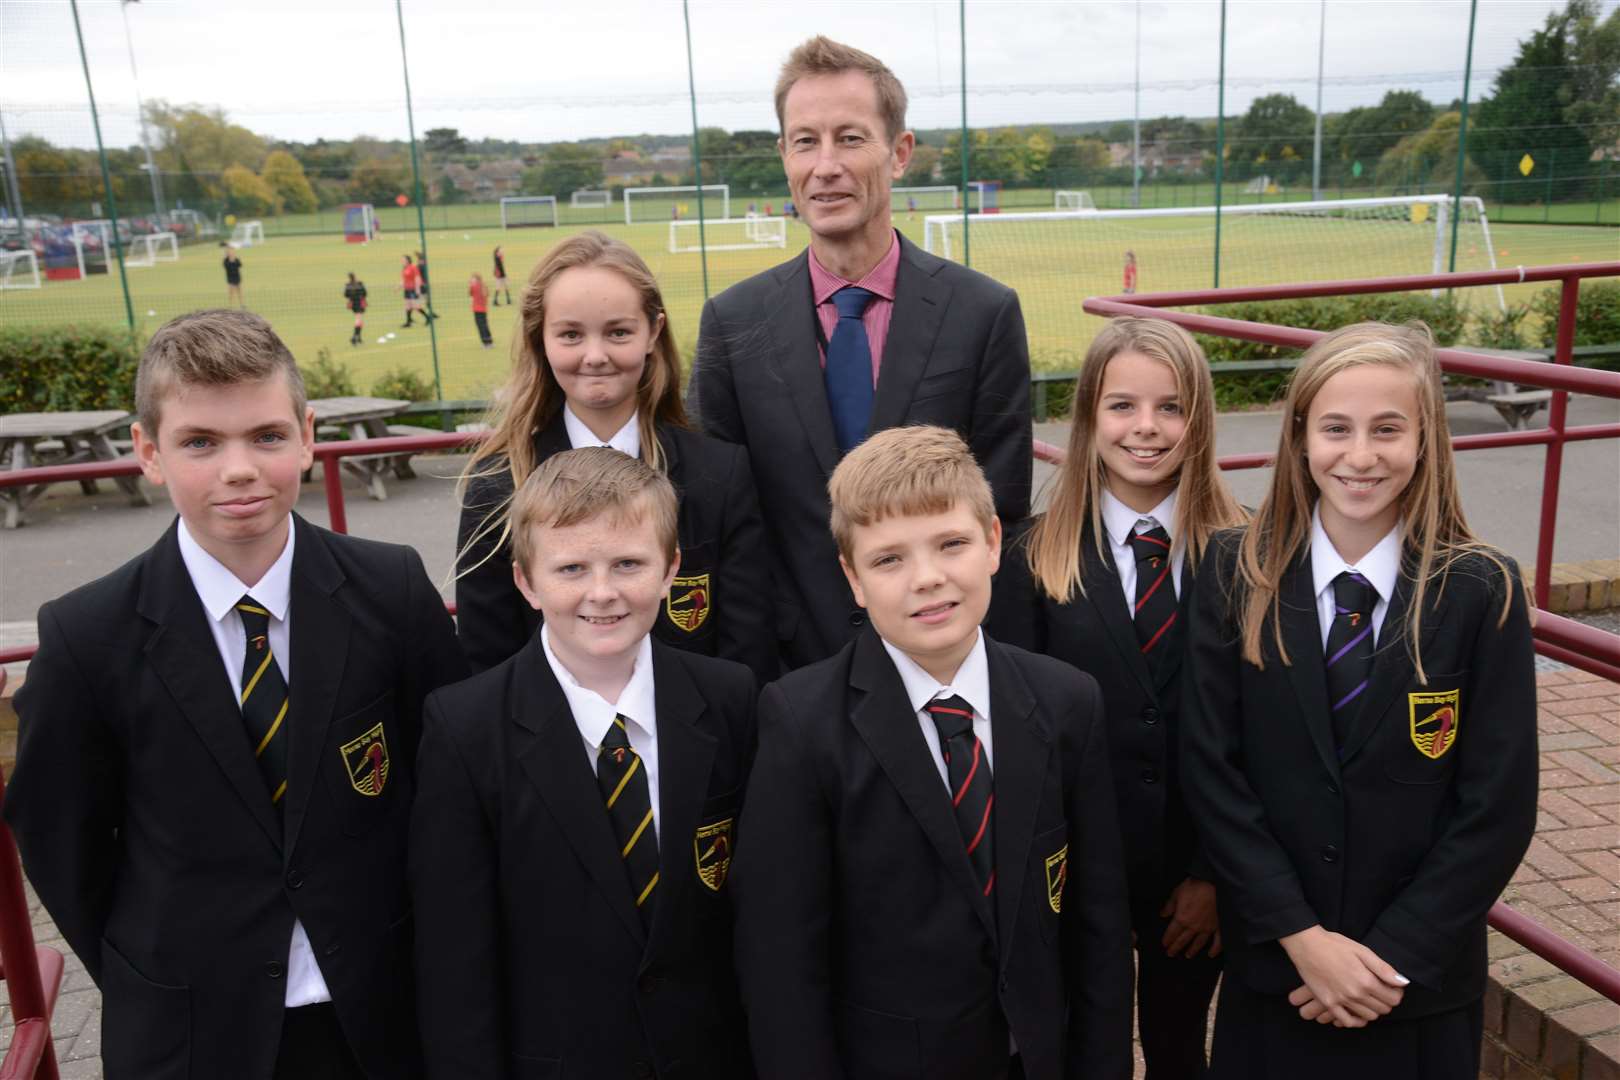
(623, 780)
(264, 700)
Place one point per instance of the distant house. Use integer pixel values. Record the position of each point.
(1157, 157)
(627, 169)
(489, 181)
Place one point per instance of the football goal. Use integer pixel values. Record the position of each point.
(153, 248)
(529, 211)
(591, 198)
(94, 235)
(936, 197)
(247, 234)
(359, 223)
(654, 204)
(728, 234)
(1073, 200)
(19, 270)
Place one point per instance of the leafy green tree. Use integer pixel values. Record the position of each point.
(1427, 161)
(445, 142)
(1076, 161)
(924, 168)
(286, 178)
(1273, 138)
(567, 168)
(247, 193)
(378, 181)
(751, 164)
(1364, 134)
(201, 144)
(55, 180)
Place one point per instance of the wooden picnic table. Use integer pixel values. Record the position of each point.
(366, 418)
(59, 438)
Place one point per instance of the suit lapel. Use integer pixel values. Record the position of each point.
(320, 651)
(1020, 749)
(1302, 634)
(1106, 596)
(1392, 662)
(549, 750)
(551, 439)
(798, 361)
(887, 723)
(685, 759)
(182, 652)
(919, 308)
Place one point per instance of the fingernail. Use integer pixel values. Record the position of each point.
(1402, 979)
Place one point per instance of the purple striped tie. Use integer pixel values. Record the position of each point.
(1349, 650)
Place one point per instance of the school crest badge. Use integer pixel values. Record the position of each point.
(712, 846)
(688, 601)
(366, 758)
(1434, 718)
(1057, 875)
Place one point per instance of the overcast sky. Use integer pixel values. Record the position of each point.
(546, 70)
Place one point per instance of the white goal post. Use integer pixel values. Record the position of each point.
(930, 197)
(247, 234)
(153, 248)
(728, 234)
(1072, 200)
(591, 198)
(518, 211)
(19, 270)
(657, 202)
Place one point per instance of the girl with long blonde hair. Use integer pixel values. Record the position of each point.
(1359, 733)
(596, 364)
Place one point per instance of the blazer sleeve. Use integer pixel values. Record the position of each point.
(432, 656)
(747, 631)
(66, 797)
(491, 614)
(781, 882)
(1493, 814)
(1096, 912)
(454, 890)
(1252, 870)
(1002, 437)
(711, 395)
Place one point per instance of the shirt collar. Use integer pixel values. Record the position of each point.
(1380, 566)
(972, 679)
(1120, 520)
(592, 712)
(219, 589)
(880, 279)
(627, 440)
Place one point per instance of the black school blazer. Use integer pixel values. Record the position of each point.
(531, 955)
(1388, 842)
(145, 826)
(1094, 632)
(720, 604)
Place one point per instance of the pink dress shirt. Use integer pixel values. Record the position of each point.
(880, 280)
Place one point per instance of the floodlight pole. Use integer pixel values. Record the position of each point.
(1462, 138)
(106, 174)
(697, 150)
(140, 107)
(12, 190)
(1136, 118)
(416, 184)
(1220, 145)
(1316, 150)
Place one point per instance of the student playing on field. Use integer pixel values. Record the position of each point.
(1103, 583)
(499, 285)
(597, 365)
(233, 277)
(1128, 286)
(354, 297)
(410, 283)
(1360, 732)
(480, 308)
(929, 882)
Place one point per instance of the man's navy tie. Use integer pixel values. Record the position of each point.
(849, 369)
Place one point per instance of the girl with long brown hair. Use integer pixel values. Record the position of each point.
(596, 364)
(1359, 733)
(1100, 581)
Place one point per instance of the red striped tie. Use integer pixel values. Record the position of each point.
(1155, 610)
(973, 797)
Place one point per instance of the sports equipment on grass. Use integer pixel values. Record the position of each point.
(151, 249)
(359, 223)
(731, 234)
(591, 198)
(247, 234)
(935, 197)
(521, 211)
(986, 196)
(19, 270)
(1072, 200)
(644, 204)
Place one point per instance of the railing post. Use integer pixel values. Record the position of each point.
(1564, 354)
(332, 473)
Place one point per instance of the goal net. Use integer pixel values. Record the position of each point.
(528, 211)
(359, 223)
(591, 198)
(936, 197)
(654, 204)
(152, 249)
(1055, 259)
(247, 234)
(19, 270)
(729, 234)
(1073, 200)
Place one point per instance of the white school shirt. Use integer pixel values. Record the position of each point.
(627, 440)
(1120, 522)
(1380, 566)
(971, 682)
(593, 714)
(220, 590)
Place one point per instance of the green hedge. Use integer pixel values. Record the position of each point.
(63, 369)
(1597, 314)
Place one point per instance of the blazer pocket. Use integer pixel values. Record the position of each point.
(535, 1068)
(145, 1025)
(363, 766)
(882, 1044)
(1431, 726)
(1049, 865)
(715, 841)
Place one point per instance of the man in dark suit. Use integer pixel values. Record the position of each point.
(862, 332)
(579, 803)
(218, 746)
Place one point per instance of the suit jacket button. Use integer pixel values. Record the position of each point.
(1150, 776)
(1330, 853)
(857, 618)
(1150, 715)
(294, 879)
(1003, 986)
(649, 983)
(1333, 789)
(644, 1069)
(273, 969)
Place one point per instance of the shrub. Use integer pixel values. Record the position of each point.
(327, 378)
(1597, 314)
(404, 383)
(66, 368)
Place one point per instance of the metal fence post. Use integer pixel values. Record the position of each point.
(697, 151)
(416, 184)
(106, 175)
(1462, 138)
(1220, 144)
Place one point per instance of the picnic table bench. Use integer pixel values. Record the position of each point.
(60, 438)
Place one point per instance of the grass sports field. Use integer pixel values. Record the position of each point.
(297, 281)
